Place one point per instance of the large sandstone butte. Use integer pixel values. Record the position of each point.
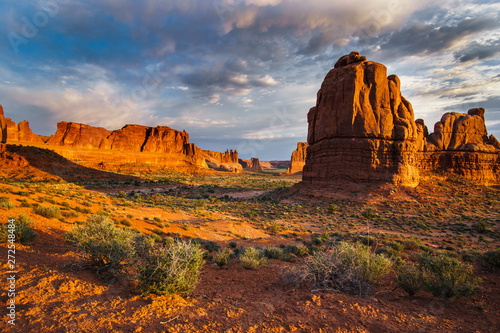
(298, 159)
(362, 129)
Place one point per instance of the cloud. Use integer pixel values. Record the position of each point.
(423, 38)
(479, 51)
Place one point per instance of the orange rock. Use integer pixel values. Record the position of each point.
(298, 159)
(252, 164)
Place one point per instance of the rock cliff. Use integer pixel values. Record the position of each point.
(252, 164)
(298, 159)
(362, 129)
(227, 161)
(12, 132)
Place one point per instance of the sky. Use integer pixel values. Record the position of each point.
(238, 74)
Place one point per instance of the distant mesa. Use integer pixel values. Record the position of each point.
(95, 146)
(362, 129)
(298, 159)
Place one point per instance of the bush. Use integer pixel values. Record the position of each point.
(491, 259)
(346, 268)
(47, 211)
(448, 277)
(221, 258)
(22, 230)
(252, 258)
(6, 203)
(105, 248)
(276, 253)
(409, 277)
(170, 270)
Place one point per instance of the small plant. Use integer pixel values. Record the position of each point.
(491, 259)
(252, 258)
(409, 277)
(107, 249)
(47, 211)
(170, 270)
(221, 258)
(448, 277)
(23, 231)
(332, 209)
(346, 268)
(276, 253)
(6, 203)
(126, 222)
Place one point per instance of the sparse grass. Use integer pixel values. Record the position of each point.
(23, 230)
(47, 211)
(6, 203)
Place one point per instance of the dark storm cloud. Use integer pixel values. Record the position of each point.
(431, 38)
(477, 51)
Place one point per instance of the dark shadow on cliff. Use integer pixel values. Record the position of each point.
(54, 164)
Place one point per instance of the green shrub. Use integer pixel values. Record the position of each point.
(276, 253)
(346, 268)
(252, 258)
(170, 270)
(22, 230)
(105, 248)
(221, 258)
(47, 211)
(409, 277)
(491, 259)
(448, 277)
(6, 203)
(126, 222)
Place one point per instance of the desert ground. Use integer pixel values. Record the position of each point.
(56, 292)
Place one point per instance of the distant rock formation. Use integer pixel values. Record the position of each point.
(227, 161)
(252, 164)
(280, 164)
(12, 132)
(362, 129)
(298, 159)
(159, 145)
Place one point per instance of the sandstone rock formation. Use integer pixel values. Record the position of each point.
(362, 129)
(12, 132)
(159, 145)
(227, 161)
(298, 159)
(252, 164)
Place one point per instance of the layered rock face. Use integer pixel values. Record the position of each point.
(227, 161)
(12, 132)
(252, 164)
(361, 128)
(298, 159)
(460, 144)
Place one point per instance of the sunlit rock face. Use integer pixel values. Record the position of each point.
(362, 129)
